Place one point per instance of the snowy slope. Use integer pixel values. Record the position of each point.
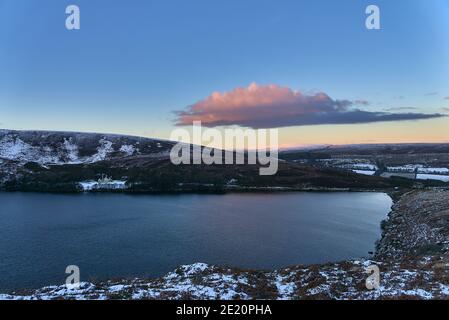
(57, 148)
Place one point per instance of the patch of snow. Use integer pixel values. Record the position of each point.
(95, 185)
(127, 149)
(319, 289)
(116, 288)
(405, 168)
(232, 182)
(365, 172)
(284, 287)
(194, 268)
(359, 166)
(434, 170)
(444, 289)
(12, 148)
(432, 177)
(72, 151)
(103, 150)
(88, 185)
(418, 292)
(362, 166)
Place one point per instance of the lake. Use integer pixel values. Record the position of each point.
(118, 235)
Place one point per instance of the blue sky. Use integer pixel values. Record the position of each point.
(134, 63)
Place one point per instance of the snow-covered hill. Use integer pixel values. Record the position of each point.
(53, 148)
(45, 161)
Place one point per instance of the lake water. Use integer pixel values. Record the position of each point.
(115, 235)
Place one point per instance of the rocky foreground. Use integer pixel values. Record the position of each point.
(413, 258)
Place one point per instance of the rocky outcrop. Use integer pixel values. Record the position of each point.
(417, 225)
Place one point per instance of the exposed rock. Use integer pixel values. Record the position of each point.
(417, 225)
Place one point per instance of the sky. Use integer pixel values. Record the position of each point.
(310, 68)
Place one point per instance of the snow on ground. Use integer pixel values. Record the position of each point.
(405, 168)
(72, 151)
(359, 166)
(103, 150)
(14, 148)
(88, 185)
(18, 150)
(127, 149)
(365, 172)
(196, 281)
(54, 148)
(362, 166)
(111, 185)
(284, 287)
(432, 177)
(339, 281)
(434, 170)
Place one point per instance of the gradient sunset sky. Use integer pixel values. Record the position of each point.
(310, 68)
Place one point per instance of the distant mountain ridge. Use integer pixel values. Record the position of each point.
(392, 148)
(48, 161)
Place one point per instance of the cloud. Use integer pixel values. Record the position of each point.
(446, 98)
(273, 106)
(361, 102)
(401, 109)
(431, 94)
(445, 109)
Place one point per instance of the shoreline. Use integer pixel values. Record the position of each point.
(412, 267)
(228, 190)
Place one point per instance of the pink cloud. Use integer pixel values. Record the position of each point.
(269, 106)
